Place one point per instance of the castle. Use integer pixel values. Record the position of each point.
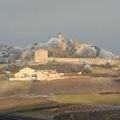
(41, 56)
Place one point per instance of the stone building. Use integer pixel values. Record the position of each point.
(48, 75)
(41, 56)
(25, 72)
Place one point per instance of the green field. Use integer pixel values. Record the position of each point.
(88, 99)
(75, 99)
(105, 72)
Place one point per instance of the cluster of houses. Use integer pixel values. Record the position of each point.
(31, 74)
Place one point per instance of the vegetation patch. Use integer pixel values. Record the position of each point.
(88, 99)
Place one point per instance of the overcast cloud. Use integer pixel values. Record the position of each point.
(23, 22)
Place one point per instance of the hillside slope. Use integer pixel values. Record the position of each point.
(60, 47)
(57, 47)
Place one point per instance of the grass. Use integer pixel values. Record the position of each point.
(74, 99)
(2, 65)
(21, 104)
(40, 113)
(99, 71)
(104, 71)
(88, 99)
(101, 115)
(14, 88)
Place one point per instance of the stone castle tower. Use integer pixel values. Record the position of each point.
(41, 56)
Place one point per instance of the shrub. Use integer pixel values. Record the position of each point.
(108, 65)
(87, 69)
(3, 77)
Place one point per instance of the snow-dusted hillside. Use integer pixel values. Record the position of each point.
(106, 54)
(57, 47)
(85, 49)
(9, 54)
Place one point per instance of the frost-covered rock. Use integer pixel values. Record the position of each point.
(58, 47)
(106, 54)
(54, 47)
(86, 51)
(70, 46)
(54, 42)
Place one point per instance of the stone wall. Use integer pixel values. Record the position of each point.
(95, 61)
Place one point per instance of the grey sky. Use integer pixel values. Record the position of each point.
(23, 22)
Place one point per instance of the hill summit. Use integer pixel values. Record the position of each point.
(58, 46)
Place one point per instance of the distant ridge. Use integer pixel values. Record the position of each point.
(57, 46)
